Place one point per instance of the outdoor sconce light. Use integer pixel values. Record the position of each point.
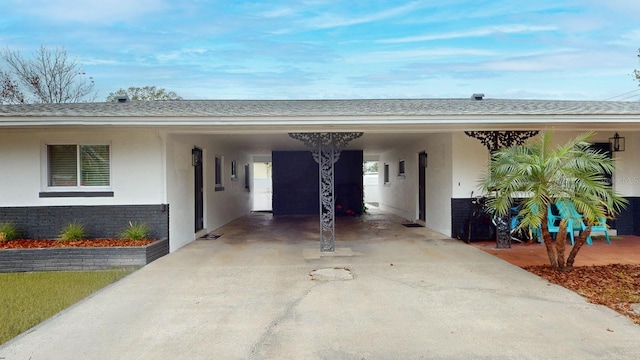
(616, 142)
(196, 157)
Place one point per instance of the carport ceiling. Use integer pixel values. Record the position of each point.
(370, 143)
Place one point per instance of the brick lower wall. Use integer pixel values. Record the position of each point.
(103, 221)
(22, 260)
(627, 222)
(460, 213)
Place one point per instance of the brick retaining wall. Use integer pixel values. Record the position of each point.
(22, 260)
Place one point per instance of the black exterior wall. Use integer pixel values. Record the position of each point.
(460, 213)
(296, 183)
(104, 221)
(627, 222)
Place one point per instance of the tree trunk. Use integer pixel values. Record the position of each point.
(548, 242)
(561, 239)
(580, 240)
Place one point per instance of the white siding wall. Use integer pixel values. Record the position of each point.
(398, 196)
(627, 177)
(136, 166)
(439, 148)
(220, 207)
(470, 160)
(401, 195)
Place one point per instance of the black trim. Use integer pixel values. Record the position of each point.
(67, 194)
(219, 188)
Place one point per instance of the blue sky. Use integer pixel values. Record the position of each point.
(297, 49)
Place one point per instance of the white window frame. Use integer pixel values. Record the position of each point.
(386, 179)
(79, 187)
(218, 176)
(401, 168)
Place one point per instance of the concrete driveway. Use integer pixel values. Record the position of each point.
(415, 294)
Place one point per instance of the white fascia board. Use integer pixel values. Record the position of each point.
(454, 121)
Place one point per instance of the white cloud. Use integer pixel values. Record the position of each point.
(479, 32)
(623, 7)
(332, 20)
(279, 12)
(407, 55)
(629, 38)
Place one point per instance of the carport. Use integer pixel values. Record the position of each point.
(182, 165)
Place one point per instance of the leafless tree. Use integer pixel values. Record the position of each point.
(49, 77)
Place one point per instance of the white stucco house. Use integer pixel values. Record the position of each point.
(182, 166)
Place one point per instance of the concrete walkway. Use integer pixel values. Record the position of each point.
(248, 295)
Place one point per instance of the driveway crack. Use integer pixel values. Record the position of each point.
(255, 348)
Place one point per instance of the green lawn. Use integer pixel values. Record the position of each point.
(27, 299)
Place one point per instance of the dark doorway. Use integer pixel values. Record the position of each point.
(422, 190)
(604, 148)
(296, 183)
(198, 188)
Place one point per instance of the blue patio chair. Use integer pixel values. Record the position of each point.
(516, 218)
(575, 221)
(600, 226)
(553, 220)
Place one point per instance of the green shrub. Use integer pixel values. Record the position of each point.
(72, 231)
(135, 231)
(10, 230)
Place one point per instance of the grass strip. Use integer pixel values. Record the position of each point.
(26, 299)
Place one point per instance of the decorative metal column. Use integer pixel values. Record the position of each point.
(495, 140)
(326, 148)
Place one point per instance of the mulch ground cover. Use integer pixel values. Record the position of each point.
(615, 286)
(39, 244)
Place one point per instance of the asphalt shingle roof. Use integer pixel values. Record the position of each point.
(322, 108)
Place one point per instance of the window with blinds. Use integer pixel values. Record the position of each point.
(87, 163)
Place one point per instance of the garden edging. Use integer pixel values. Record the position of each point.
(81, 258)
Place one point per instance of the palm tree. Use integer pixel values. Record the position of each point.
(542, 174)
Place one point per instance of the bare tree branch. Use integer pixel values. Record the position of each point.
(50, 77)
(9, 90)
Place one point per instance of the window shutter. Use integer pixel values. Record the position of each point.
(63, 169)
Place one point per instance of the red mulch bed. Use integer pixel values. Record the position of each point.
(615, 286)
(39, 244)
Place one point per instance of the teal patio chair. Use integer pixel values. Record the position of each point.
(600, 226)
(533, 232)
(568, 210)
(564, 210)
(553, 220)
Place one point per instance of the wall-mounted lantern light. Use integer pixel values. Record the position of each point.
(616, 142)
(196, 157)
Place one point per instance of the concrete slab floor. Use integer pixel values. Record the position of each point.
(415, 294)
